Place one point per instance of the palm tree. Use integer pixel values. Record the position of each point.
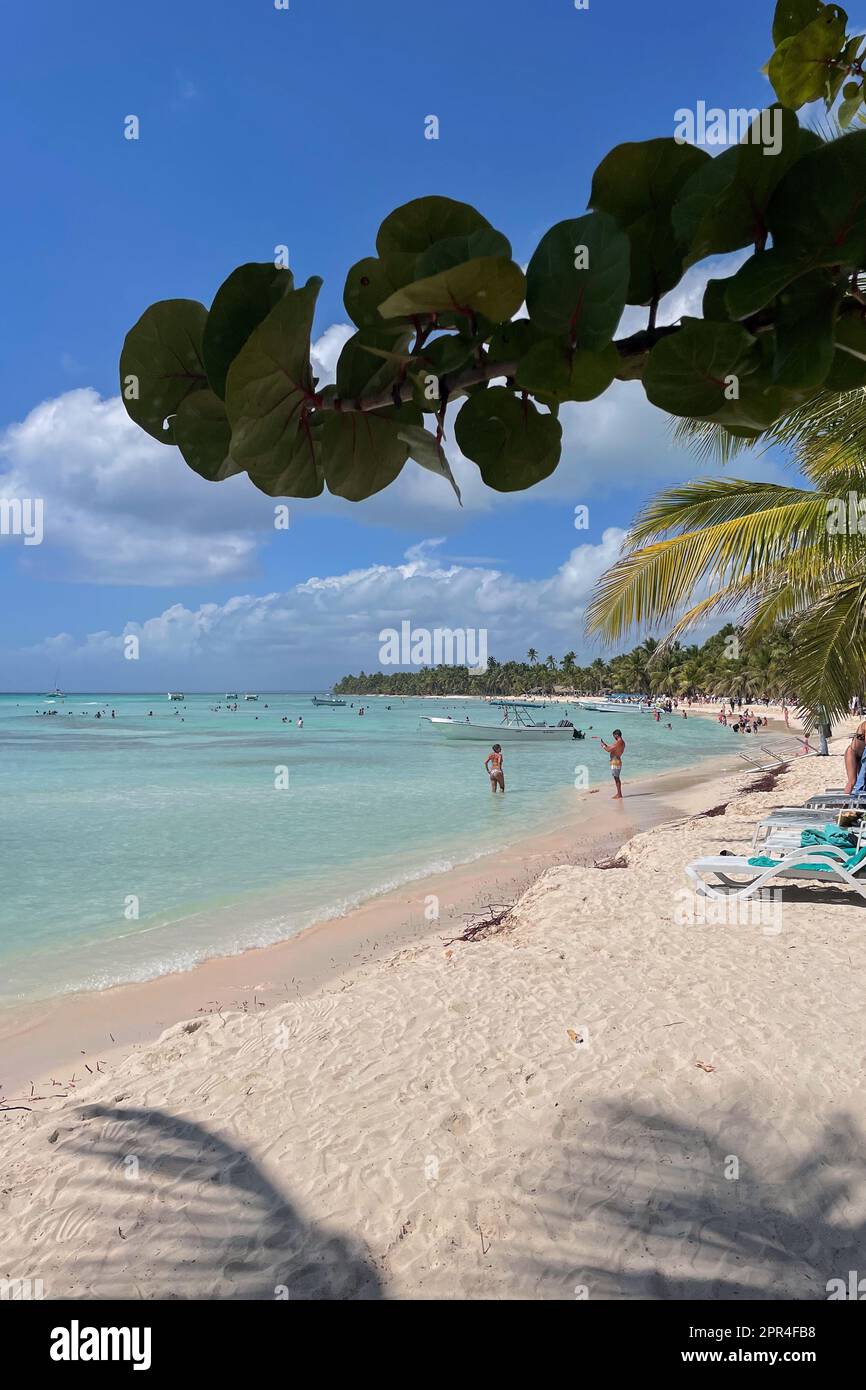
(532, 656)
(780, 554)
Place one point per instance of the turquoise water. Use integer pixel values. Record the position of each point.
(138, 845)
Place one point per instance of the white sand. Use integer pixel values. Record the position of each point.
(599, 1100)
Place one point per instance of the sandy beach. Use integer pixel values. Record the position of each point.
(605, 1096)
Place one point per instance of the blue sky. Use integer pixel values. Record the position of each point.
(304, 127)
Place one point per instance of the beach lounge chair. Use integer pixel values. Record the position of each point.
(787, 825)
(816, 864)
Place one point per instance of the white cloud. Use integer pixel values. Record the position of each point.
(330, 624)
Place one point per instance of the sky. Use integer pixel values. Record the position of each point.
(304, 127)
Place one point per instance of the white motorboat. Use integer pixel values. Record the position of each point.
(602, 706)
(176, 695)
(231, 694)
(251, 697)
(515, 726)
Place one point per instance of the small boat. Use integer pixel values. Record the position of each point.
(251, 697)
(329, 701)
(515, 726)
(602, 706)
(231, 694)
(176, 695)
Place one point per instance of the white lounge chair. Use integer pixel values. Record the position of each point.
(816, 864)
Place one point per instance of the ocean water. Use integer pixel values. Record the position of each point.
(142, 844)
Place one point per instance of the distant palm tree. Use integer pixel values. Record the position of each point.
(532, 656)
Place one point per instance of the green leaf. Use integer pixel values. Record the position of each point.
(577, 281)
(805, 316)
(849, 108)
(427, 451)
(800, 67)
(818, 211)
(638, 184)
(553, 372)
(793, 15)
(203, 435)
(512, 340)
(689, 372)
(452, 251)
(418, 225)
(514, 445)
(291, 470)
(760, 280)
(362, 451)
(724, 204)
(240, 304)
(361, 370)
(161, 364)
(846, 373)
(371, 281)
(714, 304)
(850, 333)
(490, 285)
(269, 388)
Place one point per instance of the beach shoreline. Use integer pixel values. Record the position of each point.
(610, 1091)
(67, 1037)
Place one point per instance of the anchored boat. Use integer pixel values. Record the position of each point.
(329, 701)
(516, 725)
(176, 695)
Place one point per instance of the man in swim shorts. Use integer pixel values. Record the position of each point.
(616, 750)
(493, 764)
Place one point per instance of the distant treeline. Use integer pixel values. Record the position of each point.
(722, 667)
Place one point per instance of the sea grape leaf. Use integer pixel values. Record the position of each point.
(513, 443)
(372, 280)
(577, 281)
(371, 361)
(454, 250)
(489, 285)
(270, 384)
(760, 279)
(292, 469)
(804, 317)
(850, 333)
(793, 15)
(416, 226)
(714, 305)
(847, 373)
(427, 451)
(800, 67)
(512, 340)
(203, 435)
(240, 304)
(818, 210)
(556, 373)
(638, 184)
(689, 372)
(362, 451)
(161, 363)
(848, 109)
(724, 204)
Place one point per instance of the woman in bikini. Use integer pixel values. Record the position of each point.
(854, 757)
(493, 764)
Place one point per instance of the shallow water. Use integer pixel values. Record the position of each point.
(143, 844)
